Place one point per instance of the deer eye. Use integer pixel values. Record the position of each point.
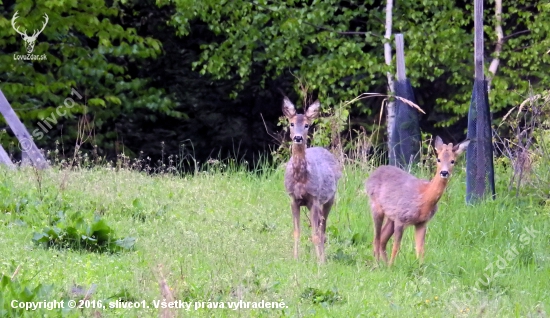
(452, 162)
(306, 126)
(291, 124)
(438, 160)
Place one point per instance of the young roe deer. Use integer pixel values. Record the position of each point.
(311, 177)
(405, 200)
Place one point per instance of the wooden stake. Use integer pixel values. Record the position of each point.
(25, 140)
(5, 158)
(400, 57)
(478, 39)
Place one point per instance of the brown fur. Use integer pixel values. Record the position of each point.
(404, 200)
(311, 178)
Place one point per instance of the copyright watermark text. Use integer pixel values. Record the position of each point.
(157, 304)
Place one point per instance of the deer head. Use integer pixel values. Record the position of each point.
(29, 40)
(299, 124)
(447, 154)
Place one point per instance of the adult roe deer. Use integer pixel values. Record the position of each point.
(311, 177)
(405, 200)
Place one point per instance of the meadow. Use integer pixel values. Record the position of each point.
(225, 234)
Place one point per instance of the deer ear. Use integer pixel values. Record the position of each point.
(438, 143)
(461, 147)
(313, 110)
(288, 108)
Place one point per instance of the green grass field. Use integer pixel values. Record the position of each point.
(226, 236)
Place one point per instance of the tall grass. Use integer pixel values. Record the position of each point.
(225, 234)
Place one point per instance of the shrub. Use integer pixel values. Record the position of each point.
(75, 233)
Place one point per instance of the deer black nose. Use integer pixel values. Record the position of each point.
(298, 139)
(444, 174)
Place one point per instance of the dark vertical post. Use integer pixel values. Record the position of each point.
(479, 158)
(406, 129)
(397, 156)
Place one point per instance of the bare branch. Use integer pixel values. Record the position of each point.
(370, 95)
(275, 137)
(16, 271)
(515, 34)
(342, 32)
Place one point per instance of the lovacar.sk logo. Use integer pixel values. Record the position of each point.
(29, 40)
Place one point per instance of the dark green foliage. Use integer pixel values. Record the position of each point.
(336, 47)
(75, 233)
(198, 78)
(12, 289)
(123, 296)
(317, 296)
(88, 50)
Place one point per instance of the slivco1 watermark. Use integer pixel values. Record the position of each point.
(491, 272)
(46, 123)
(29, 41)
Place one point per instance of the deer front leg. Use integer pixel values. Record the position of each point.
(296, 218)
(398, 232)
(419, 237)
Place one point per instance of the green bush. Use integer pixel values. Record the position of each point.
(317, 296)
(75, 233)
(11, 290)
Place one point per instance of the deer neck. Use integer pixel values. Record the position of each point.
(435, 189)
(299, 162)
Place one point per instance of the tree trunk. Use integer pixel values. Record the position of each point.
(500, 39)
(390, 113)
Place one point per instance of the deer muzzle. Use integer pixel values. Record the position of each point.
(298, 139)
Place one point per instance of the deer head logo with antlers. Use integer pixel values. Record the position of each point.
(29, 40)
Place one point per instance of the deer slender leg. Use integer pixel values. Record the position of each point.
(315, 231)
(419, 236)
(296, 218)
(398, 232)
(326, 210)
(378, 219)
(387, 232)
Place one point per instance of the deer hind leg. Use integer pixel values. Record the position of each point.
(378, 219)
(387, 232)
(419, 236)
(316, 216)
(398, 231)
(295, 206)
(326, 210)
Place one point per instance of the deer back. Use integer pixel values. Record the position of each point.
(397, 193)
